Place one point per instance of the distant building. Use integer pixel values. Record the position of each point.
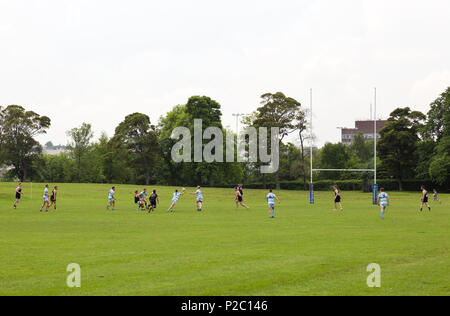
(366, 128)
(54, 152)
(50, 149)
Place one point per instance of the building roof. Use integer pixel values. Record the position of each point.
(364, 127)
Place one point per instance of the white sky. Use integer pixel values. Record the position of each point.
(96, 61)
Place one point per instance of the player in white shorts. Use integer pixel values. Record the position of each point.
(45, 198)
(176, 197)
(111, 199)
(199, 199)
(271, 201)
(383, 202)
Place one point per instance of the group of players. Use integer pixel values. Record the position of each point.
(145, 202)
(49, 200)
(384, 200)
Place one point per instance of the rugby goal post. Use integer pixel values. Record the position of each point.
(374, 170)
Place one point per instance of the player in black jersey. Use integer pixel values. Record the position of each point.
(18, 195)
(154, 200)
(239, 196)
(53, 198)
(138, 200)
(337, 198)
(424, 199)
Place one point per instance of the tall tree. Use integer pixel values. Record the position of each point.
(208, 110)
(440, 163)
(18, 129)
(438, 122)
(80, 143)
(397, 147)
(438, 126)
(177, 117)
(278, 110)
(140, 137)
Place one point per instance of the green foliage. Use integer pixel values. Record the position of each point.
(338, 156)
(362, 148)
(140, 138)
(80, 142)
(18, 146)
(285, 113)
(412, 146)
(397, 147)
(438, 124)
(440, 164)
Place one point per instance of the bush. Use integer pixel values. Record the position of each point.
(355, 185)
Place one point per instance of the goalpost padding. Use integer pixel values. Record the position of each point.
(375, 194)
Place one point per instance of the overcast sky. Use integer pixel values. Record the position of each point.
(96, 61)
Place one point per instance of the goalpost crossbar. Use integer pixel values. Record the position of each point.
(375, 185)
(345, 170)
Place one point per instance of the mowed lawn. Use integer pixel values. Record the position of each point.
(306, 250)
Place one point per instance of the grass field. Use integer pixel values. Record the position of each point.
(306, 250)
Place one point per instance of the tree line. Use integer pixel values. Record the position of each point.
(413, 145)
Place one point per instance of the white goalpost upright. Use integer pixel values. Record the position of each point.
(374, 170)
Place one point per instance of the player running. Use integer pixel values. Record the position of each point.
(19, 194)
(435, 196)
(45, 198)
(199, 200)
(337, 198)
(53, 197)
(137, 199)
(154, 200)
(383, 201)
(111, 199)
(271, 201)
(144, 196)
(424, 199)
(239, 192)
(176, 197)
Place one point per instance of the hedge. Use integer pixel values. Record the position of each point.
(356, 185)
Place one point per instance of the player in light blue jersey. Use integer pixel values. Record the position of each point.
(111, 199)
(46, 199)
(271, 200)
(144, 195)
(383, 202)
(199, 199)
(176, 197)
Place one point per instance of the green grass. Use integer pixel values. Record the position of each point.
(306, 250)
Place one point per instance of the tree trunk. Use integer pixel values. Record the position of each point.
(24, 175)
(277, 180)
(264, 181)
(147, 177)
(400, 184)
(211, 180)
